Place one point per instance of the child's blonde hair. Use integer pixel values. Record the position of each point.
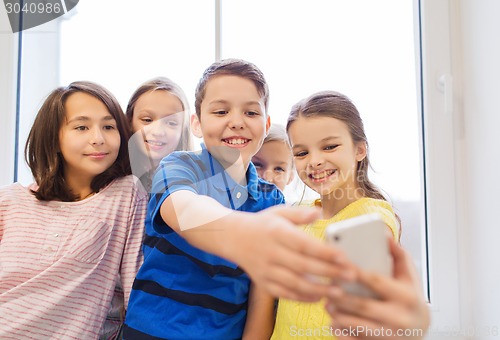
(277, 133)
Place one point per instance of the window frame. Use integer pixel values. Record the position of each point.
(441, 164)
(9, 44)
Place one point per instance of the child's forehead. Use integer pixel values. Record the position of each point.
(315, 132)
(160, 101)
(325, 122)
(275, 149)
(227, 86)
(81, 104)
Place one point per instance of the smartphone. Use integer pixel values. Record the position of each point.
(363, 239)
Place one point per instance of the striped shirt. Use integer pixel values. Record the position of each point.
(59, 261)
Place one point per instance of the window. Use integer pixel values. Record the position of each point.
(383, 54)
(364, 49)
(322, 45)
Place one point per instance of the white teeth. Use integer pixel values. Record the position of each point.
(236, 141)
(155, 143)
(323, 174)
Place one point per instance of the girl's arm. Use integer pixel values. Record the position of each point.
(260, 317)
(401, 308)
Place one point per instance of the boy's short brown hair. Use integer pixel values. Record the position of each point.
(232, 67)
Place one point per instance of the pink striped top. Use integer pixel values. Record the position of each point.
(59, 261)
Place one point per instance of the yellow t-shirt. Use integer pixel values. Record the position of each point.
(310, 320)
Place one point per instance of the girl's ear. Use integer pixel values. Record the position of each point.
(268, 124)
(361, 150)
(196, 126)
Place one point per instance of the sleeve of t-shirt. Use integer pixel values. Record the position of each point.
(386, 212)
(280, 199)
(178, 171)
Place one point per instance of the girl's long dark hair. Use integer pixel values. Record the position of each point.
(42, 147)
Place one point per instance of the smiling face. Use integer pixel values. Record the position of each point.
(325, 156)
(274, 163)
(89, 140)
(232, 122)
(158, 118)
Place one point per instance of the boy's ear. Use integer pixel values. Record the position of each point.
(268, 124)
(196, 126)
(361, 150)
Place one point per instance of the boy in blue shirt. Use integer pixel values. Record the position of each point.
(200, 225)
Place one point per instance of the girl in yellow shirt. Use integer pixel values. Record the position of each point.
(331, 157)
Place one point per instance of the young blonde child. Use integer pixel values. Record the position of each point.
(203, 243)
(158, 113)
(68, 238)
(331, 157)
(274, 160)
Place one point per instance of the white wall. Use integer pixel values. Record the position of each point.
(481, 107)
(472, 242)
(8, 81)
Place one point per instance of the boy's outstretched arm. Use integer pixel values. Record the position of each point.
(277, 256)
